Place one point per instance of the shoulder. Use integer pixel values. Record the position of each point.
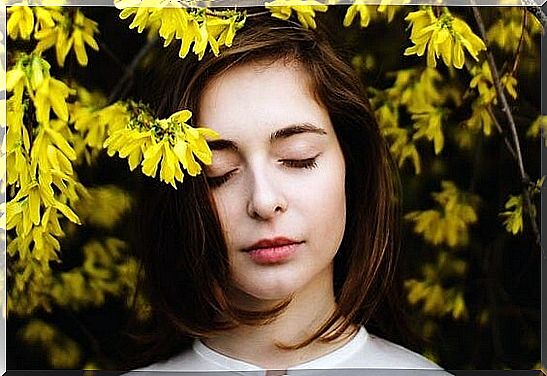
(367, 351)
(187, 360)
(382, 353)
(198, 358)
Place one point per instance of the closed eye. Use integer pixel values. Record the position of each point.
(309, 163)
(300, 163)
(217, 181)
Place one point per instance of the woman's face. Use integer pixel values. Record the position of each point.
(277, 178)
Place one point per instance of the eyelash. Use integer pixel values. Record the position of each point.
(301, 163)
(217, 181)
(308, 163)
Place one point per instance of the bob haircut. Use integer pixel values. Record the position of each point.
(185, 271)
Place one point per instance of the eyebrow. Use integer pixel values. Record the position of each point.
(279, 134)
(293, 129)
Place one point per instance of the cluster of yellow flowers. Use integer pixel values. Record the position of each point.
(445, 36)
(422, 93)
(304, 9)
(448, 224)
(538, 128)
(482, 80)
(62, 351)
(43, 186)
(171, 141)
(174, 20)
(62, 28)
(105, 272)
(44, 177)
(513, 215)
(368, 12)
(428, 124)
(507, 31)
(437, 299)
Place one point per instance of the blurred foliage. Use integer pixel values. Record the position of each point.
(471, 257)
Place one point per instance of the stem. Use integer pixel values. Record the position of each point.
(104, 47)
(502, 133)
(512, 126)
(129, 72)
(520, 45)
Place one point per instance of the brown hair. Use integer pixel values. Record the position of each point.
(180, 243)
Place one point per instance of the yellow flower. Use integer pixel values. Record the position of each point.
(450, 223)
(54, 36)
(25, 208)
(513, 215)
(401, 147)
(467, 38)
(173, 23)
(509, 82)
(305, 10)
(538, 127)
(51, 154)
(191, 33)
(16, 81)
(66, 31)
(46, 17)
(83, 32)
(142, 9)
(198, 27)
(128, 143)
(141, 17)
(429, 124)
(390, 10)
(20, 22)
(17, 144)
(104, 206)
(51, 93)
(443, 37)
(483, 81)
(170, 142)
(480, 118)
(358, 7)
(221, 31)
(437, 299)
(86, 121)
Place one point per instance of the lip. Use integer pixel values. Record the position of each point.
(271, 243)
(273, 251)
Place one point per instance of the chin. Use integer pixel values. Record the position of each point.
(268, 289)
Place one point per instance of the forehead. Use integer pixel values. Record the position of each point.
(256, 99)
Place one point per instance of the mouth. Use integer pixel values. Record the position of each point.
(278, 242)
(273, 251)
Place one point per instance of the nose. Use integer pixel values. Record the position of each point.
(267, 198)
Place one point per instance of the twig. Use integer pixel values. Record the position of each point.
(131, 69)
(512, 127)
(502, 133)
(104, 47)
(520, 45)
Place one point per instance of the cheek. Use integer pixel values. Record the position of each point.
(325, 201)
(228, 206)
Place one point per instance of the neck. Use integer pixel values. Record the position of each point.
(308, 310)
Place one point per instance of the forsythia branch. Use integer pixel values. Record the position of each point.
(118, 89)
(511, 123)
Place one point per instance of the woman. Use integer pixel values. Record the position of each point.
(278, 255)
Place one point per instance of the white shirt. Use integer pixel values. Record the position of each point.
(364, 351)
